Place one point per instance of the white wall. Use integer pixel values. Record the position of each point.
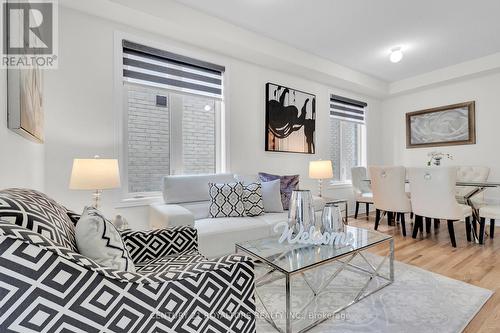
(484, 90)
(81, 121)
(21, 160)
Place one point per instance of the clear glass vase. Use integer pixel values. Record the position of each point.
(301, 212)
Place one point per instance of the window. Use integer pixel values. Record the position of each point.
(173, 116)
(347, 133)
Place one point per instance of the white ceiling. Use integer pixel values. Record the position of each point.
(359, 33)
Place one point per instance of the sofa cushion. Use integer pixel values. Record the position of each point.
(247, 179)
(198, 209)
(217, 236)
(35, 211)
(287, 185)
(252, 199)
(98, 239)
(226, 200)
(191, 188)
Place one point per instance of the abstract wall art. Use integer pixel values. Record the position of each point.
(25, 103)
(443, 126)
(290, 120)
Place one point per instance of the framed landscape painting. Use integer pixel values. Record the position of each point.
(443, 126)
(290, 120)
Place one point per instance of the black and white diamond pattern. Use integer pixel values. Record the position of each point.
(226, 200)
(144, 246)
(252, 198)
(45, 287)
(35, 211)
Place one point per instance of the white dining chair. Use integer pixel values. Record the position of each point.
(433, 197)
(491, 213)
(361, 188)
(389, 196)
(471, 174)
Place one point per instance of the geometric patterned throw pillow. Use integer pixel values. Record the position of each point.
(37, 212)
(98, 239)
(226, 200)
(252, 198)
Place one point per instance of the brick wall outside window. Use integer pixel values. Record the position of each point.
(150, 141)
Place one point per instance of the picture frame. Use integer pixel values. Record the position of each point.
(290, 120)
(25, 114)
(449, 125)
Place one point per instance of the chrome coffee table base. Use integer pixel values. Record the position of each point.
(343, 263)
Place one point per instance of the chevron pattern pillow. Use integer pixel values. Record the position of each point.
(252, 199)
(226, 200)
(98, 239)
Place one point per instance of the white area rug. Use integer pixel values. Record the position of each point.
(418, 301)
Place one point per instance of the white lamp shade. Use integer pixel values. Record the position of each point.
(94, 174)
(320, 169)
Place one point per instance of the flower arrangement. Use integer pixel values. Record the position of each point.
(436, 157)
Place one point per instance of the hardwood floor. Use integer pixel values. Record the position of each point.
(472, 263)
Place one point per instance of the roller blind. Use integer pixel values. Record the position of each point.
(154, 67)
(347, 109)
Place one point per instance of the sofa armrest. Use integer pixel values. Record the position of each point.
(145, 246)
(166, 216)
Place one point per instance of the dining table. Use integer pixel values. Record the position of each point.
(476, 188)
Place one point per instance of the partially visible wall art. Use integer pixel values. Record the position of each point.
(25, 103)
(290, 120)
(443, 126)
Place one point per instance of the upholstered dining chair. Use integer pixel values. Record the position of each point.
(471, 174)
(433, 197)
(492, 213)
(389, 196)
(361, 189)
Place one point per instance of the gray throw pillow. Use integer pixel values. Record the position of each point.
(226, 200)
(98, 239)
(288, 185)
(271, 196)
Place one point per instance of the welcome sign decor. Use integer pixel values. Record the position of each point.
(313, 236)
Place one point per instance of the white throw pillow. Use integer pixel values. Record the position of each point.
(252, 198)
(98, 239)
(271, 195)
(226, 200)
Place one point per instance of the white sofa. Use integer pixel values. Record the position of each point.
(186, 202)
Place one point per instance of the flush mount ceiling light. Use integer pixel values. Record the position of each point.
(396, 54)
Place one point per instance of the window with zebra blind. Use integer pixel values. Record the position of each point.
(173, 116)
(347, 136)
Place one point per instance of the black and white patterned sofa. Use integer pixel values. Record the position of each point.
(46, 285)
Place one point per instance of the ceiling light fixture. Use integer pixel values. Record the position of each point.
(396, 55)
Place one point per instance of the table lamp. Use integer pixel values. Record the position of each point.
(95, 174)
(320, 170)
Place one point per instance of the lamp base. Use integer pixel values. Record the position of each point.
(320, 187)
(96, 202)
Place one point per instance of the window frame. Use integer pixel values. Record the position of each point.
(121, 112)
(362, 150)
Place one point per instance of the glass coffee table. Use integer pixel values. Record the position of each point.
(299, 286)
